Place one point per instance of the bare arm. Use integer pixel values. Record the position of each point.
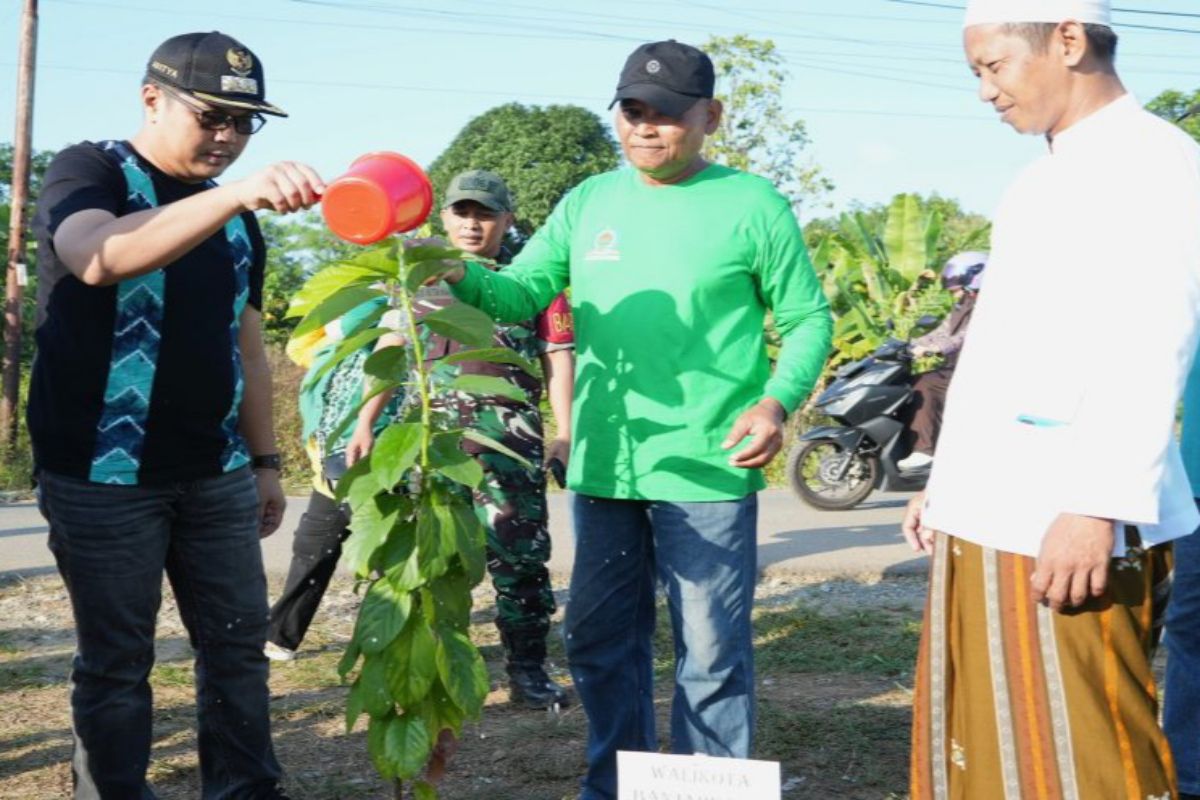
(101, 249)
(363, 438)
(257, 419)
(559, 367)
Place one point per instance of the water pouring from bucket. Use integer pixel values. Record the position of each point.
(381, 194)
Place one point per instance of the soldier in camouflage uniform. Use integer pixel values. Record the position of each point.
(512, 502)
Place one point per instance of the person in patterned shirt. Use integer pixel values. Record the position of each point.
(477, 212)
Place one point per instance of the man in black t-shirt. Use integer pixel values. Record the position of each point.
(150, 413)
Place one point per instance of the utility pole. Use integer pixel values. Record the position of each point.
(16, 275)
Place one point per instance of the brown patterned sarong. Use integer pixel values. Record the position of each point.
(1014, 701)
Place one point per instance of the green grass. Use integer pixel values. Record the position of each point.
(802, 639)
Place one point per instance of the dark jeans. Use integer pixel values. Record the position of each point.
(1181, 701)
(316, 548)
(112, 544)
(705, 556)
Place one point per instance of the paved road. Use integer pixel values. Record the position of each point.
(793, 538)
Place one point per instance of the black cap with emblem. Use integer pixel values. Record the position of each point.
(668, 76)
(212, 67)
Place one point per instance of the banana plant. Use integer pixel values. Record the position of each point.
(880, 278)
(416, 545)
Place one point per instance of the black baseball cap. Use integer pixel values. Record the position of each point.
(669, 76)
(212, 67)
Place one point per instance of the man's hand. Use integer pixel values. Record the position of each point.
(455, 270)
(559, 447)
(918, 537)
(1073, 563)
(271, 501)
(921, 352)
(284, 187)
(763, 422)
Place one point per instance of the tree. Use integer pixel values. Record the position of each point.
(756, 133)
(1179, 108)
(39, 160)
(541, 153)
(880, 267)
(416, 545)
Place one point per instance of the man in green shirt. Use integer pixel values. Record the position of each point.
(673, 266)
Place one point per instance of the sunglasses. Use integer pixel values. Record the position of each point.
(211, 120)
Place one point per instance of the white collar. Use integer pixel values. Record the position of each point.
(1080, 130)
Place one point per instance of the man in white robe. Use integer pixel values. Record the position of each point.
(1058, 477)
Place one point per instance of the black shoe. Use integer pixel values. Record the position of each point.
(530, 686)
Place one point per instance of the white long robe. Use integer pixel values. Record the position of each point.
(1065, 395)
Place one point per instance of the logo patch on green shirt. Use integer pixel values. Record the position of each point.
(604, 248)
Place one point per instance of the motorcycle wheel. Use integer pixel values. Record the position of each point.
(811, 466)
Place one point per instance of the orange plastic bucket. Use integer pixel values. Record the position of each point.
(381, 194)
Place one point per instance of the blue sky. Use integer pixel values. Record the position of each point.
(882, 86)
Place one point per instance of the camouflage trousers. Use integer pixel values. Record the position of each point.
(511, 503)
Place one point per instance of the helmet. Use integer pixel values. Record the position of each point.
(965, 271)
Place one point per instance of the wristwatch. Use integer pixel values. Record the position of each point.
(268, 461)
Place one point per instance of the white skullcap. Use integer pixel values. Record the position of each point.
(987, 12)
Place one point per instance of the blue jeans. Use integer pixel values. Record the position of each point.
(1181, 701)
(112, 544)
(705, 555)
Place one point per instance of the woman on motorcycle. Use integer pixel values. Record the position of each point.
(962, 277)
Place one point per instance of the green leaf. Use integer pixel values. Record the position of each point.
(412, 663)
(933, 232)
(489, 386)
(420, 273)
(462, 671)
(469, 537)
(369, 526)
(345, 349)
(395, 451)
(388, 363)
(451, 599)
(349, 659)
(424, 791)
(377, 746)
(401, 562)
(356, 704)
(441, 706)
(408, 745)
(483, 439)
(495, 355)
(448, 459)
(325, 283)
(377, 700)
(461, 323)
(435, 544)
(429, 252)
(904, 237)
(358, 484)
(383, 259)
(382, 616)
(335, 306)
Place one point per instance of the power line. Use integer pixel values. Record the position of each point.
(1161, 28)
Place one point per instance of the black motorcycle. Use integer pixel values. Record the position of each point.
(838, 466)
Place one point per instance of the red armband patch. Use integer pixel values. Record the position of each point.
(556, 325)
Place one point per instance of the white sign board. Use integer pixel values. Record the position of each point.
(654, 776)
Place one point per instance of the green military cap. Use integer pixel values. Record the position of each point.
(486, 188)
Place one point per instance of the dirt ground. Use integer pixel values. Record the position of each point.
(834, 672)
